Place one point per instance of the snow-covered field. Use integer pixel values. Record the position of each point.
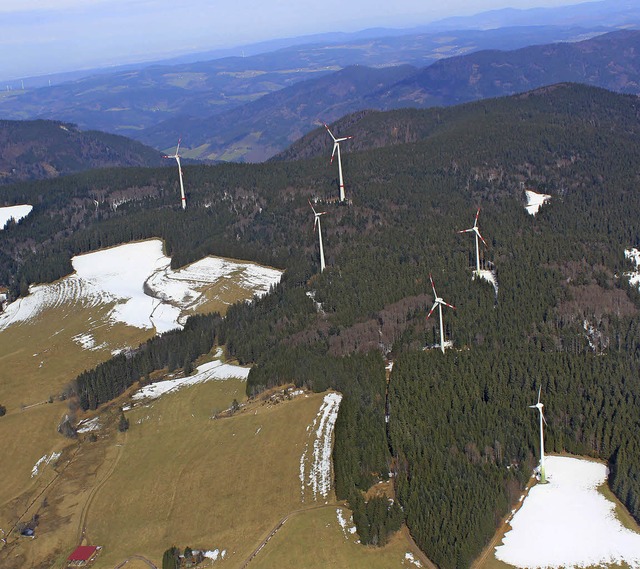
(567, 523)
(214, 370)
(118, 276)
(535, 201)
(634, 256)
(315, 462)
(16, 212)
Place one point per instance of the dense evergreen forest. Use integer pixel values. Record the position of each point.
(461, 441)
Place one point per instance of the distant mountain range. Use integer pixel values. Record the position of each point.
(260, 129)
(251, 108)
(32, 150)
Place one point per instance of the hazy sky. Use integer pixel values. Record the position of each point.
(45, 36)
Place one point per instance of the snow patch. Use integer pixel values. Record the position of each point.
(315, 462)
(137, 278)
(205, 372)
(43, 461)
(634, 256)
(347, 527)
(489, 276)
(408, 556)
(215, 554)
(15, 212)
(535, 201)
(567, 523)
(89, 425)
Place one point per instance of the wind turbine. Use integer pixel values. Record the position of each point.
(177, 157)
(336, 148)
(439, 303)
(475, 230)
(316, 221)
(539, 406)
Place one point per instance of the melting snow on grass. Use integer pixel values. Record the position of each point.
(16, 212)
(215, 554)
(43, 462)
(89, 425)
(634, 256)
(315, 462)
(137, 278)
(205, 372)
(410, 558)
(347, 526)
(567, 523)
(535, 201)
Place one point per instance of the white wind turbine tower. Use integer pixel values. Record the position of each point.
(539, 406)
(177, 157)
(475, 230)
(316, 221)
(336, 148)
(439, 303)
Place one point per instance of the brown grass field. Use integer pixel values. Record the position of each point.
(176, 477)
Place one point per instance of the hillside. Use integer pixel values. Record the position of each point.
(130, 100)
(460, 442)
(258, 130)
(47, 149)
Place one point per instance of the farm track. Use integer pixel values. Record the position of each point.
(480, 562)
(279, 525)
(47, 486)
(82, 525)
(139, 558)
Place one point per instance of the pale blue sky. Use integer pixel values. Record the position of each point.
(45, 36)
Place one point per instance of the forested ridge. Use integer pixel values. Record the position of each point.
(461, 440)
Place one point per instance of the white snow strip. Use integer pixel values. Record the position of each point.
(205, 372)
(89, 425)
(567, 523)
(43, 461)
(213, 555)
(535, 201)
(16, 212)
(347, 526)
(315, 462)
(119, 276)
(634, 256)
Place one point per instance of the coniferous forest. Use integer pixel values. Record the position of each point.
(461, 441)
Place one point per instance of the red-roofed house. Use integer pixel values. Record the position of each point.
(82, 555)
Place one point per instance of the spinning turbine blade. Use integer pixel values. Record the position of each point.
(447, 304)
(432, 309)
(433, 286)
(539, 392)
(475, 223)
(329, 131)
(482, 239)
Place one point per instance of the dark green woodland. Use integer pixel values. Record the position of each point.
(460, 442)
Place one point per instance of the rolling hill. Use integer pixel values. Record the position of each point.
(47, 149)
(460, 441)
(257, 130)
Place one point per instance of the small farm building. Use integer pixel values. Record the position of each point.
(82, 555)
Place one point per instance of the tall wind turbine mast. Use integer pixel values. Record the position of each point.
(336, 149)
(539, 406)
(177, 157)
(316, 221)
(476, 231)
(439, 303)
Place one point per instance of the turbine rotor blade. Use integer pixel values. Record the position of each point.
(335, 147)
(481, 237)
(475, 223)
(543, 419)
(539, 392)
(433, 286)
(432, 309)
(449, 305)
(329, 131)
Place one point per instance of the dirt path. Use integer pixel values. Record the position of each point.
(139, 558)
(82, 525)
(280, 524)
(499, 534)
(416, 550)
